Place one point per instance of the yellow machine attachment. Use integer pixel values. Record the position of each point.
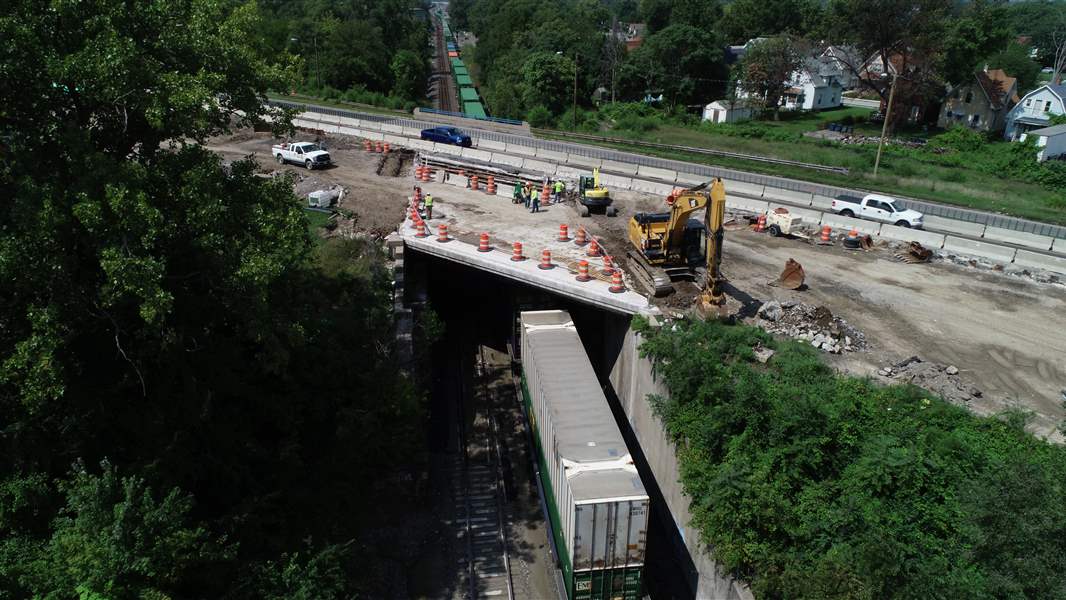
(712, 297)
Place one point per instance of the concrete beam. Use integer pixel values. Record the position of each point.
(491, 145)
(821, 202)
(570, 172)
(744, 204)
(993, 252)
(801, 198)
(654, 173)
(448, 149)
(906, 234)
(349, 122)
(953, 226)
(558, 280)
(613, 181)
(397, 129)
(812, 217)
(521, 150)
(847, 224)
(539, 166)
(741, 188)
(583, 161)
(689, 180)
(507, 159)
(480, 155)
(1034, 260)
(619, 167)
(557, 157)
(1018, 238)
(651, 187)
(420, 144)
(410, 132)
(396, 140)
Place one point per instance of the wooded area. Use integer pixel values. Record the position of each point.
(197, 400)
(810, 484)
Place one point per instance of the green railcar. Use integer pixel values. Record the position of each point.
(474, 109)
(468, 94)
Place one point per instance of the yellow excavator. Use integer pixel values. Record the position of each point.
(669, 246)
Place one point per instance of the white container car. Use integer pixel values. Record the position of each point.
(596, 501)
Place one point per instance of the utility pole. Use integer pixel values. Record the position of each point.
(884, 127)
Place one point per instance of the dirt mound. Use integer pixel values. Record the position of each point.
(943, 380)
(814, 324)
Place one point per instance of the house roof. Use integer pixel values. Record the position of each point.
(997, 86)
(1050, 131)
(1058, 90)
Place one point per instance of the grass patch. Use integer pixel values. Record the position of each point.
(316, 223)
(306, 99)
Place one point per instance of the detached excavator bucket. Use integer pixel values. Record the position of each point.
(793, 276)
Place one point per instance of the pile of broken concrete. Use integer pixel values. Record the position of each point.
(814, 324)
(939, 379)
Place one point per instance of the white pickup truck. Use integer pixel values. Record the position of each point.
(307, 154)
(876, 207)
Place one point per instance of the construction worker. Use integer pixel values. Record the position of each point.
(559, 187)
(534, 203)
(527, 191)
(429, 206)
(516, 196)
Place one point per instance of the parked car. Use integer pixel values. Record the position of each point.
(308, 154)
(876, 207)
(446, 135)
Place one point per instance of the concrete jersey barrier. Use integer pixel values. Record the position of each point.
(993, 252)
(1035, 260)
(1019, 238)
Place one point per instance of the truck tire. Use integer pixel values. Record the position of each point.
(612, 211)
(775, 230)
(847, 213)
(281, 159)
(584, 210)
(309, 165)
(903, 224)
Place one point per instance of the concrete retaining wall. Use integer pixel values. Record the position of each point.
(552, 155)
(507, 159)
(745, 189)
(491, 145)
(689, 180)
(583, 161)
(1033, 260)
(392, 128)
(651, 187)
(1018, 238)
(632, 380)
(821, 202)
(480, 155)
(614, 181)
(847, 224)
(953, 226)
(993, 252)
(539, 166)
(520, 149)
(747, 204)
(904, 234)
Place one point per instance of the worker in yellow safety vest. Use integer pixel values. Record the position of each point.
(429, 206)
(559, 187)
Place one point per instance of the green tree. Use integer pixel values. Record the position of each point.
(1015, 61)
(766, 70)
(548, 79)
(684, 63)
(748, 19)
(409, 75)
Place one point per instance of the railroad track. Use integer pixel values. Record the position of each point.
(445, 99)
(691, 149)
(478, 491)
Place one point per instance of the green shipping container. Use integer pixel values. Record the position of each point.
(468, 94)
(460, 70)
(464, 81)
(474, 109)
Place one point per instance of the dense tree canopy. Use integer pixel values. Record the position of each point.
(190, 391)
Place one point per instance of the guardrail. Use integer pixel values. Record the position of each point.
(706, 171)
(450, 113)
(692, 149)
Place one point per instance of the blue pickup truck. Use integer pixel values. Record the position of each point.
(446, 135)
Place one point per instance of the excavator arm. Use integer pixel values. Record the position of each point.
(714, 222)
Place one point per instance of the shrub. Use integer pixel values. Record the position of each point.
(961, 139)
(540, 117)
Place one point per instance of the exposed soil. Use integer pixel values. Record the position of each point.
(374, 202)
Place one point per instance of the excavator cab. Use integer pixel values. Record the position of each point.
(593, 196)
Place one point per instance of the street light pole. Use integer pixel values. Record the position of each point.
(884, 126)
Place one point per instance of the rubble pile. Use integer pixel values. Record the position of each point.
(939, 379)
(814, 324)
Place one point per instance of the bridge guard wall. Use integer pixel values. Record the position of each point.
(632, 380)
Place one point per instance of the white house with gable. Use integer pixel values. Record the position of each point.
(1034, 110)
(814, 86)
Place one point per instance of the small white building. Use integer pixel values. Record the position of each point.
(1050, 140)
(814, 86)
(726, 111)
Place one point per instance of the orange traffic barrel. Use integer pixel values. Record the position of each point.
(420, 228)
(545, 260)
(473, 183)
(583, 270)
(483, 243)
(608, 264)
(564, 233)
(516, 252)
(760, 224)
(594, 248)
(581, 240)
(617, 287)
(442, 233)
(826, 230)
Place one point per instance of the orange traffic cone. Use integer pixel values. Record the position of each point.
(617, 287)
(583, 271)
(483, 243)
(594, 248)
(442, 234)
(826, 230)
(564, 233)
(516, 254)
(581, 240)
(545, 260)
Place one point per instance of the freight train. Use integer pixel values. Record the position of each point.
(596, 503)
(469, 99)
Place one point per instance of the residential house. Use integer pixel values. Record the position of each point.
(846, 61)
(1035, 109)
(729, 111)
(1050, 140)
(981, 103)
(814, 86)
